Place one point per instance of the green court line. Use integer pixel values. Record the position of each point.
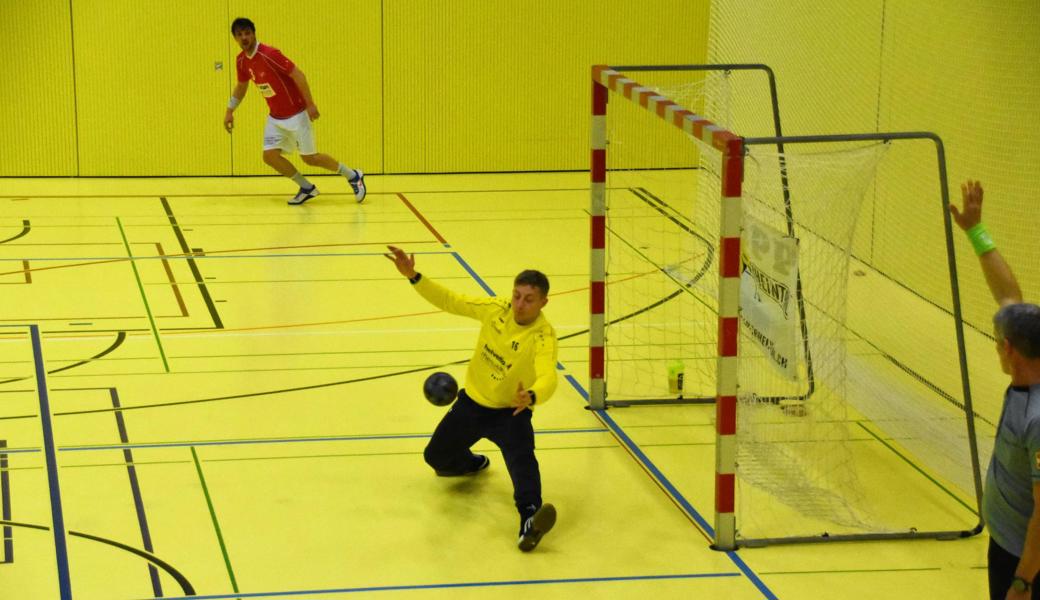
(213, 515)
(919, 470)
(144, 297)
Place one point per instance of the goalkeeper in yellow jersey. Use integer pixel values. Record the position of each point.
(513, 370)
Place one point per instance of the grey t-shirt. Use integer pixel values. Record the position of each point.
(1007, 502)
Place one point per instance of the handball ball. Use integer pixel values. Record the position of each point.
(440, 389)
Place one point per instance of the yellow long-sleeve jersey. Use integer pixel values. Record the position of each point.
(507, 354)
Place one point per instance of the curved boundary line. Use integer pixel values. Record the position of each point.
(25, 231)
(120, 338)
(186, 586)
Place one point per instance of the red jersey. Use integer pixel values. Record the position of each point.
(269, 69)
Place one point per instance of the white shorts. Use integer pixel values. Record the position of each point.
(290, 135)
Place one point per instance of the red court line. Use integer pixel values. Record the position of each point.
(421, 218)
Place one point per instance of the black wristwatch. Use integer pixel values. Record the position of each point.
(415, 278)
(1020, 585)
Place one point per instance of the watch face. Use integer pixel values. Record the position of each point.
(1019, 585)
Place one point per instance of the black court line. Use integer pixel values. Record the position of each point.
(245, 395)
(173, 281)
(5, 505)
(135, 490)
(188, 253)
(120, 338)
(26, 274)
(25, 231)
(181, 580)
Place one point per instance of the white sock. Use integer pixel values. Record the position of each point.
(347, 172)
(301, 181)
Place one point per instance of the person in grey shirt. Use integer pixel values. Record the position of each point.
(1011, 499)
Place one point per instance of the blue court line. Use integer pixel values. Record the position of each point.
(441, 586)
(402, 436)
(672, 491)
(57, 518)
(634, 448)
(473, 274)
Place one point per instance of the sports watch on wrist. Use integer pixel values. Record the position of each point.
(1020, 585)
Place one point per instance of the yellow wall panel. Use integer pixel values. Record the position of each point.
(337, 45)
(477, 85)
(968, 71)
(39, 135)
(150, 100)
(468, 86)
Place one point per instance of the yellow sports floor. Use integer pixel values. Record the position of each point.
(207, 393)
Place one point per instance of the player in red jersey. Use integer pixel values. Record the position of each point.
(292, 108)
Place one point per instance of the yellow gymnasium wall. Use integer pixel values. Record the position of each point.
(402, 86)
(968, 70)
(147, 90)
(473, 85)
(36, 89)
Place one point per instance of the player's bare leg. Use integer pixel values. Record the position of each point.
(279, 163)
(356, 179)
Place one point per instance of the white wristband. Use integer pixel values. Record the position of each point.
(233, 103)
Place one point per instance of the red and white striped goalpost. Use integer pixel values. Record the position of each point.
(604, 81)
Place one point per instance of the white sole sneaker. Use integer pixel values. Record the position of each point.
(303, 195)
(537, 526)
(358, 185)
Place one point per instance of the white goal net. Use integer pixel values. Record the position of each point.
(836, 434)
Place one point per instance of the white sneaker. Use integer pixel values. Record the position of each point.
(358, 185)
(304, 195)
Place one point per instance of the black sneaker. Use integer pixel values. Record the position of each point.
(537, 525)
(358, 185)
(480, 462)
(304, 195)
